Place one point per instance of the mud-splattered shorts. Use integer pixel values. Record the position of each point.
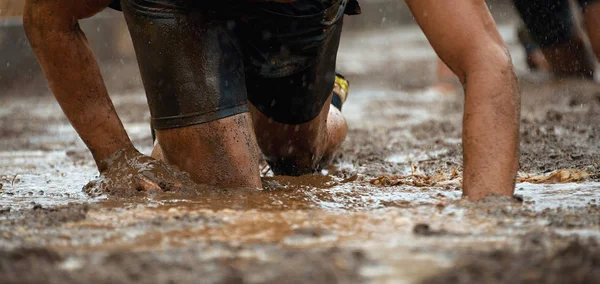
(203, 60)
(550, 22)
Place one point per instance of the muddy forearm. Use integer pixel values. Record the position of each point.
(74, 77)
(465, 37)
(491, 131)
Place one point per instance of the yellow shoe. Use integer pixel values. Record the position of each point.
(340, 91)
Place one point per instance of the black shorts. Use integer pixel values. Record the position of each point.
(203, 60)
(550, 22)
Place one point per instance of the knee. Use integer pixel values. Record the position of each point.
(491, 58)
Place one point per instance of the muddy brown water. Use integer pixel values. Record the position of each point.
(339, 226)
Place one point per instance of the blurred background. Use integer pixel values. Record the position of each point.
(107, 34)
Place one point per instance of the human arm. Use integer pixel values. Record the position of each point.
(74, 77)
(465, 37)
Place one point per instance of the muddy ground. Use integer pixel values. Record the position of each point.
(361, 220)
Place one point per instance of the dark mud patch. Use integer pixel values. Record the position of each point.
(282, 182)
(306, 235)
(561, 127)
(492, 201)
(513, 211)
(546, 148)
(573, 218)
(434, 130)
(423, 229)
(252, 264)
(560, 130)
(25, 226)
(577, 262)
(367, 151)
(39, 216)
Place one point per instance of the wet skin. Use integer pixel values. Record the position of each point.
(305, 147)
(63, 52)
(470, 45)
(223, 152)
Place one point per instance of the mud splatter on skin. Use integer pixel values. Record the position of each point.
(128, 173)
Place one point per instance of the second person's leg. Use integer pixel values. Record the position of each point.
(551, 25)
(290, 77)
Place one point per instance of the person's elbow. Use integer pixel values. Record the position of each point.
(491, 59)
(41, 21)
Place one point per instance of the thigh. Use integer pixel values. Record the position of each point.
(290, 58)
(190, 61)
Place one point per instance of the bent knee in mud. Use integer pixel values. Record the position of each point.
(296, 157)
(293, 166)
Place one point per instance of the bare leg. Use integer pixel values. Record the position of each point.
(221, 153)
(301, 148)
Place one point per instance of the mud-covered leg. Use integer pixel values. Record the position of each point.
(295, 149)
(290, 77)
(221, 153)
(192, 70)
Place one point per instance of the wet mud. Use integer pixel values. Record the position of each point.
(561, 130)
(212, 263)
(541, 259)
(388, 209)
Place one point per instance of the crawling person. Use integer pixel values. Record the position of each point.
(225, 78)
(213, 71)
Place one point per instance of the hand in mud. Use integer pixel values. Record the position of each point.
(128, 172)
